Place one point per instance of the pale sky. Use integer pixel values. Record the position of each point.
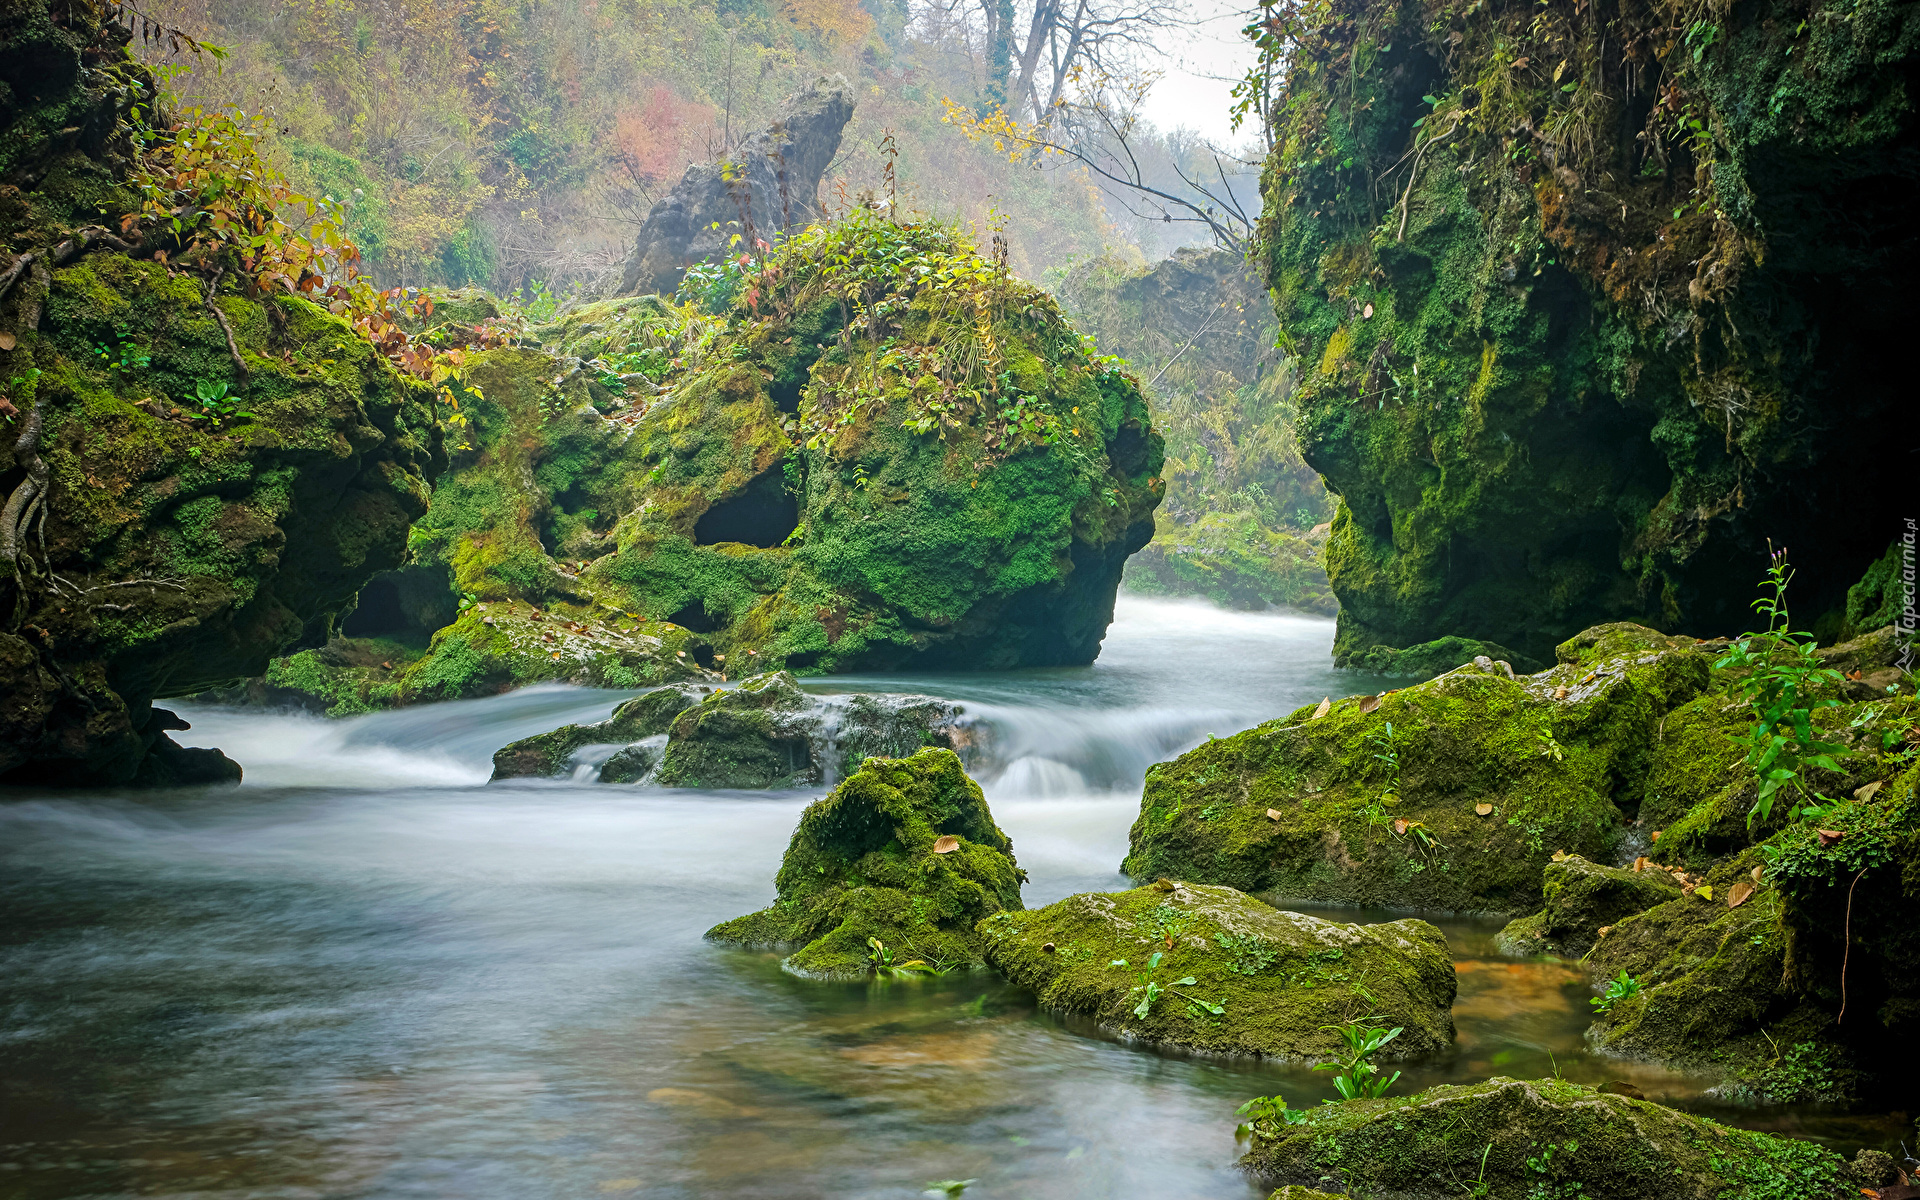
(1212, 47)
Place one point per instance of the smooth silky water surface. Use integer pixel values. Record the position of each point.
(367, 972)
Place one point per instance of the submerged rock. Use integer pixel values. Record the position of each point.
(1451, 794)
(1280, 979)
(1523, 1140)
(904, 851)
(765, 733)
(1580, 898)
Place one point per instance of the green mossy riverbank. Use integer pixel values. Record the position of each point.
(156, 542)
(1574, 331)
(1746, 941)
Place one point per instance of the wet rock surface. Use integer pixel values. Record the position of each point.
(1537, 1138)
(904, 852)
(1581, 898)
(1281, 979)
(764, 733)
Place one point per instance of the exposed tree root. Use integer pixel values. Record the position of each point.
(233, 346)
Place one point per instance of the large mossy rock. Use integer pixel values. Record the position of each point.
(765, 733)
(1283, 979)
(1579, 899)
(683, 496)
(1542, 1138)
(867, 861)
(175, 551)
(1574, 363)
(1376, 802)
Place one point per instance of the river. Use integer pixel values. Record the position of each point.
(367, 972)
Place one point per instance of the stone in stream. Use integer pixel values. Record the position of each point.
(1581, 898)
(1280, 979)
(1451, 794)
(1543, 1137)
(766, 733)
(905, 852)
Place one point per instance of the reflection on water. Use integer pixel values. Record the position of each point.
(368, 974)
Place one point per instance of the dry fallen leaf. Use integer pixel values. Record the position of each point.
(1829, 836)
(1046, 948)
(1369, 703)
(7, 341)
(1640, 864)
(1560, 693)
(1704, 891)
(1366, 314)
(1273, 814)
(1741, 893)
(1162, 884)
(1605, 930)
(1757, 873)
(1864, 794)
(1561, 856)
(1400, 826)
(946, 843)
(1483, 810)
(1656, 835)
(1326, 706)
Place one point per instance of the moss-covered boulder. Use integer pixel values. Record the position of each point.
(1580, 898)
(1572, 343)
(765, 733)
(904, 851)
(1521, 1140)
(1450, 794)
(1436, 657)
(155, 542)
(1280, 980)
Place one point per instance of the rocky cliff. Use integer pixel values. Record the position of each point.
(196, 475)
(768, 184)
(1591, 300)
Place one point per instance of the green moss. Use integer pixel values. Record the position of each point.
(550, 754)
(1544, 1138)
(1550, 333)
(1437, 657)
(1309, 807)
(1578, 899)
(862, 864)
(1282, 978)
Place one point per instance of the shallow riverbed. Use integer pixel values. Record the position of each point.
(368, 973)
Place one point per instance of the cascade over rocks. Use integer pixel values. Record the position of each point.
(1281, 979)
(149, 553)
(904, 851)
(1576, 330)
(1544, 1137)
(766, 733)
(774, 175)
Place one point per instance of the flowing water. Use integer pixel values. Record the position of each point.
(367, 972)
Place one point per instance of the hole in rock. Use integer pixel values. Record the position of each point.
(703, 654)
(378, 613)
(761, 515)
(693, 615)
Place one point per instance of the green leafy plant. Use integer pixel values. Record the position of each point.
(1388, 753)
(216, 403)
(1619, 988)
(1781, 670)
(880, 961)
(1150, 989)
(1167, 922)
(1250, 953)
(1355, 1076)
(1534, 831)
(1265, 1115)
